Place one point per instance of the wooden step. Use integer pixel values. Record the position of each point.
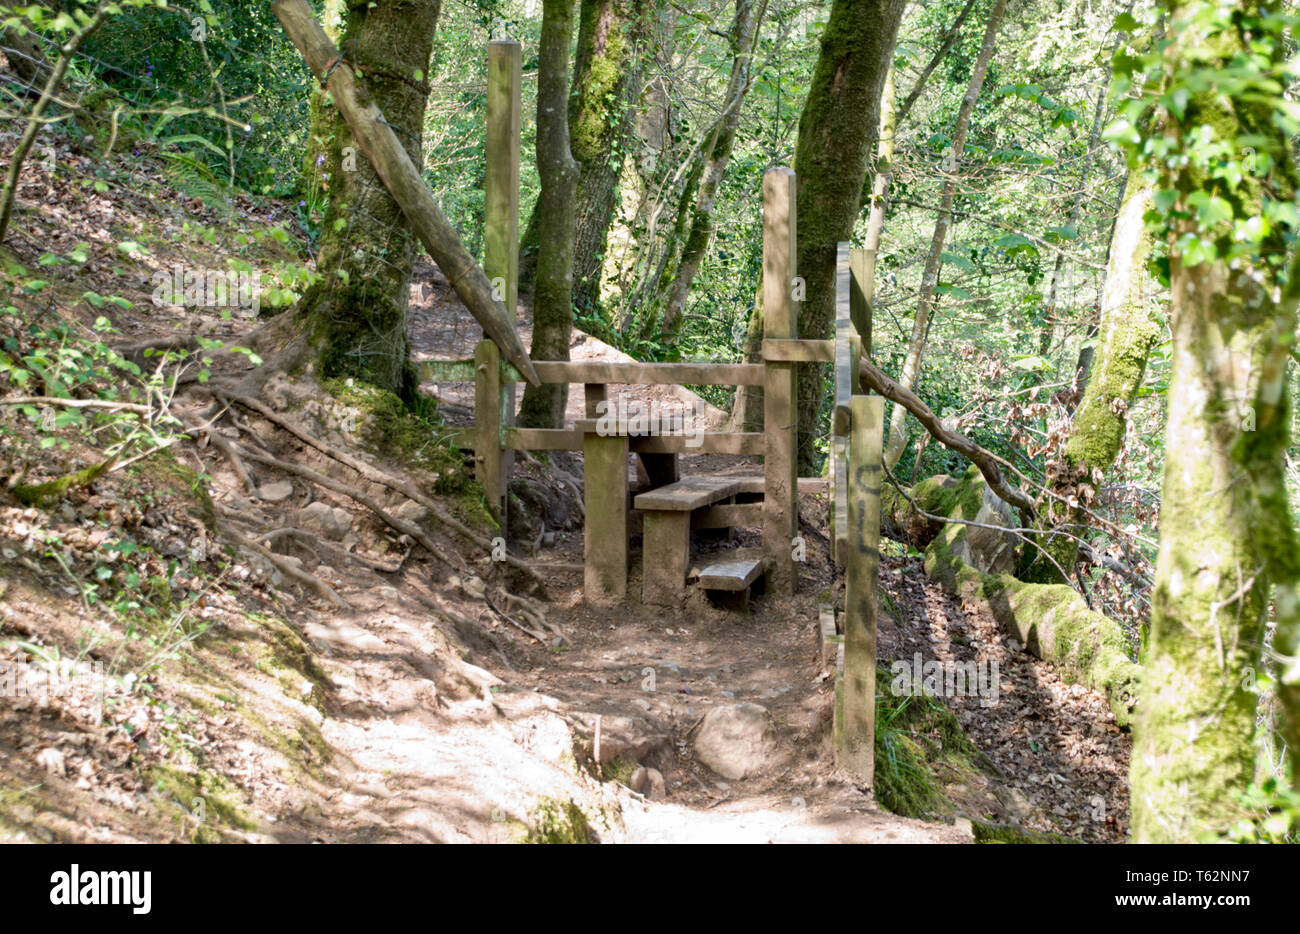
(688, 493)
(734, 574)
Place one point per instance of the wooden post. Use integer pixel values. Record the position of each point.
(604, 464)
(403, 180)
(863, 265)
(501, 184)
(666, 543)
(490, 416)
(780, 421)
(495, 411)
(846, 385)
(855, 742)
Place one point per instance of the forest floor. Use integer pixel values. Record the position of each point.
(256, 709)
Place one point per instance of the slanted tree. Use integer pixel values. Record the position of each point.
(1225, 194)
(543, 406)
(356, 315)
(837, 133)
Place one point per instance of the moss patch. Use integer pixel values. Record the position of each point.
(920, 746)
(559, 822)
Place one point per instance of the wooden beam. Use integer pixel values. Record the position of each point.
(799, 351)
(780, 420)
(403, 180)
(729, 516)
(855, 743)
(636, 373)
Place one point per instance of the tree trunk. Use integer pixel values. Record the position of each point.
(357, 313)
(602, 110)
(320, 115)
(743, 34)
(930, 277)
(1227, 540)
(837, 133)
(1129, 330)
(543, 406)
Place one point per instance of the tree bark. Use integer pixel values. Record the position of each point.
(543, 405)
(930, 277)
(320, 114)
(837, 133)
(357, 313)
(602, 111)
(1129, 330)
(1227, 539)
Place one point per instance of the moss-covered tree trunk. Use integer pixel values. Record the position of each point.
(837, 133)
(320, 114)
(356, 315)
(1227, 541)
(934, 259)
(1129, 329)
(602, 108)
(543, 406)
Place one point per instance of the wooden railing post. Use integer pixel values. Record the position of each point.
(780, 421)
(494, 400)
(855, 739)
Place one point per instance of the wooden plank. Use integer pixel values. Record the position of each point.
(862, 264)
(570, 439)
(731, 574)
(799, 351)
(780, 422)
(403, 179)
(855, 743)
(729, 516)
(604, 546)
(665, 555)
(636, 373)
(687, 494)
(708, 442)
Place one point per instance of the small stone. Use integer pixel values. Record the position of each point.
(331, 522)
(276, 492)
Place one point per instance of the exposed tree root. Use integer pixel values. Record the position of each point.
(375, 475)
